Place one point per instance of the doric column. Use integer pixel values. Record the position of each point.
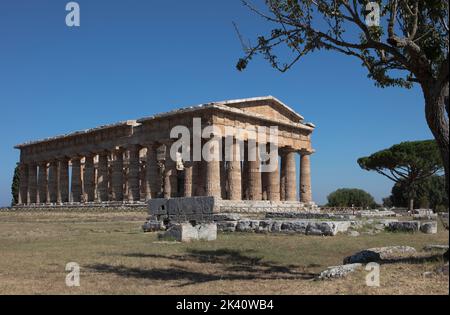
(199, 178)
(76, 188)
(212, 170)
(265, 185)
(289, 175)
(102, 177)
(152, 175)
(63, 183)
(170, 176)
(305, 177)
(274, 177)
(188, 179)
(89, 178)
(283, 176)
(23, 184)
(254, 165)
(42, 182)
(223, 179)
(53, 182)
(235, 173)
(133, 175)
(117, 175)
(32, 183)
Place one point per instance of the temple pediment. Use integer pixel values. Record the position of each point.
(267, 106)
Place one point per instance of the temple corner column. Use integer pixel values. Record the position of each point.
(305, 177)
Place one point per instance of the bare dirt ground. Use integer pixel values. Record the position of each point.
(116, 257)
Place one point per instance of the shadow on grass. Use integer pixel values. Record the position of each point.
(229, 265)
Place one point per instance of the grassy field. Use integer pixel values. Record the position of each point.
(116, 257)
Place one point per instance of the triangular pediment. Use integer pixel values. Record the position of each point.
(269, 107)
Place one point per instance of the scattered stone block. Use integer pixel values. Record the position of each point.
(429, 227)
(207, 232)
(381, 254)
(430, 248)
(186, 232)
(339, 271)
(227, 226)
(404, 226)
(354, 233)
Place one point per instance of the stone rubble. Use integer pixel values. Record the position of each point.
(381, 254)
(341, 271)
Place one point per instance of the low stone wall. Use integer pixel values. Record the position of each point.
(249, 206)
(83, 207)
(203, 209)
(306, 227)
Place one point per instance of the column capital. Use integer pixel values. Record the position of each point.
(287, 149)
(306, 152)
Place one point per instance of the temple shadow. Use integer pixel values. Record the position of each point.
(228, 264)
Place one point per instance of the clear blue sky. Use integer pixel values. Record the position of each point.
(133, 58)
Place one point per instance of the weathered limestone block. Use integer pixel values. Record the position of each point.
(429, 227)
(375, 214)
(381, 254)
(432, 216)
(404, 226)
(184, 209)
(207, 232)
(226, 217)
(265, 226)
(227, 226)
(294, 227)
(430, 248)
(186, 232)
(339, 271)
(247, 226)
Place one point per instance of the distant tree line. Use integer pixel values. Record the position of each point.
(430, 193)
(351, 197)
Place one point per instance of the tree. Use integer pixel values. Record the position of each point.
(407, 162)
(407, 45)
(348, 197)
(430, 192)
(15, 186)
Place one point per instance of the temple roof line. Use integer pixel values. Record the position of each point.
(222, 105)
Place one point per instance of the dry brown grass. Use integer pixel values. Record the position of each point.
(117, 258)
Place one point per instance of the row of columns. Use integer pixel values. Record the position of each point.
(48, 182)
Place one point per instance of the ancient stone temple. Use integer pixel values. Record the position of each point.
(129, 162)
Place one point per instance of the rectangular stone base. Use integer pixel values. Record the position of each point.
(203, 209)
(186, 232)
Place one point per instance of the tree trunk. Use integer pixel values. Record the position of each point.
(436, 111)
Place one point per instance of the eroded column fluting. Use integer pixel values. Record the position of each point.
(289, 175)
(170, 175)
(133, 175)
(152, 175)
(212, 169)
(42, 182)
(102, 177)
(254, 165)
(89, 178)
(274, 176)
(76, 186)
(235, 172)
(305, 178)
(188, 179)
(117, 175)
